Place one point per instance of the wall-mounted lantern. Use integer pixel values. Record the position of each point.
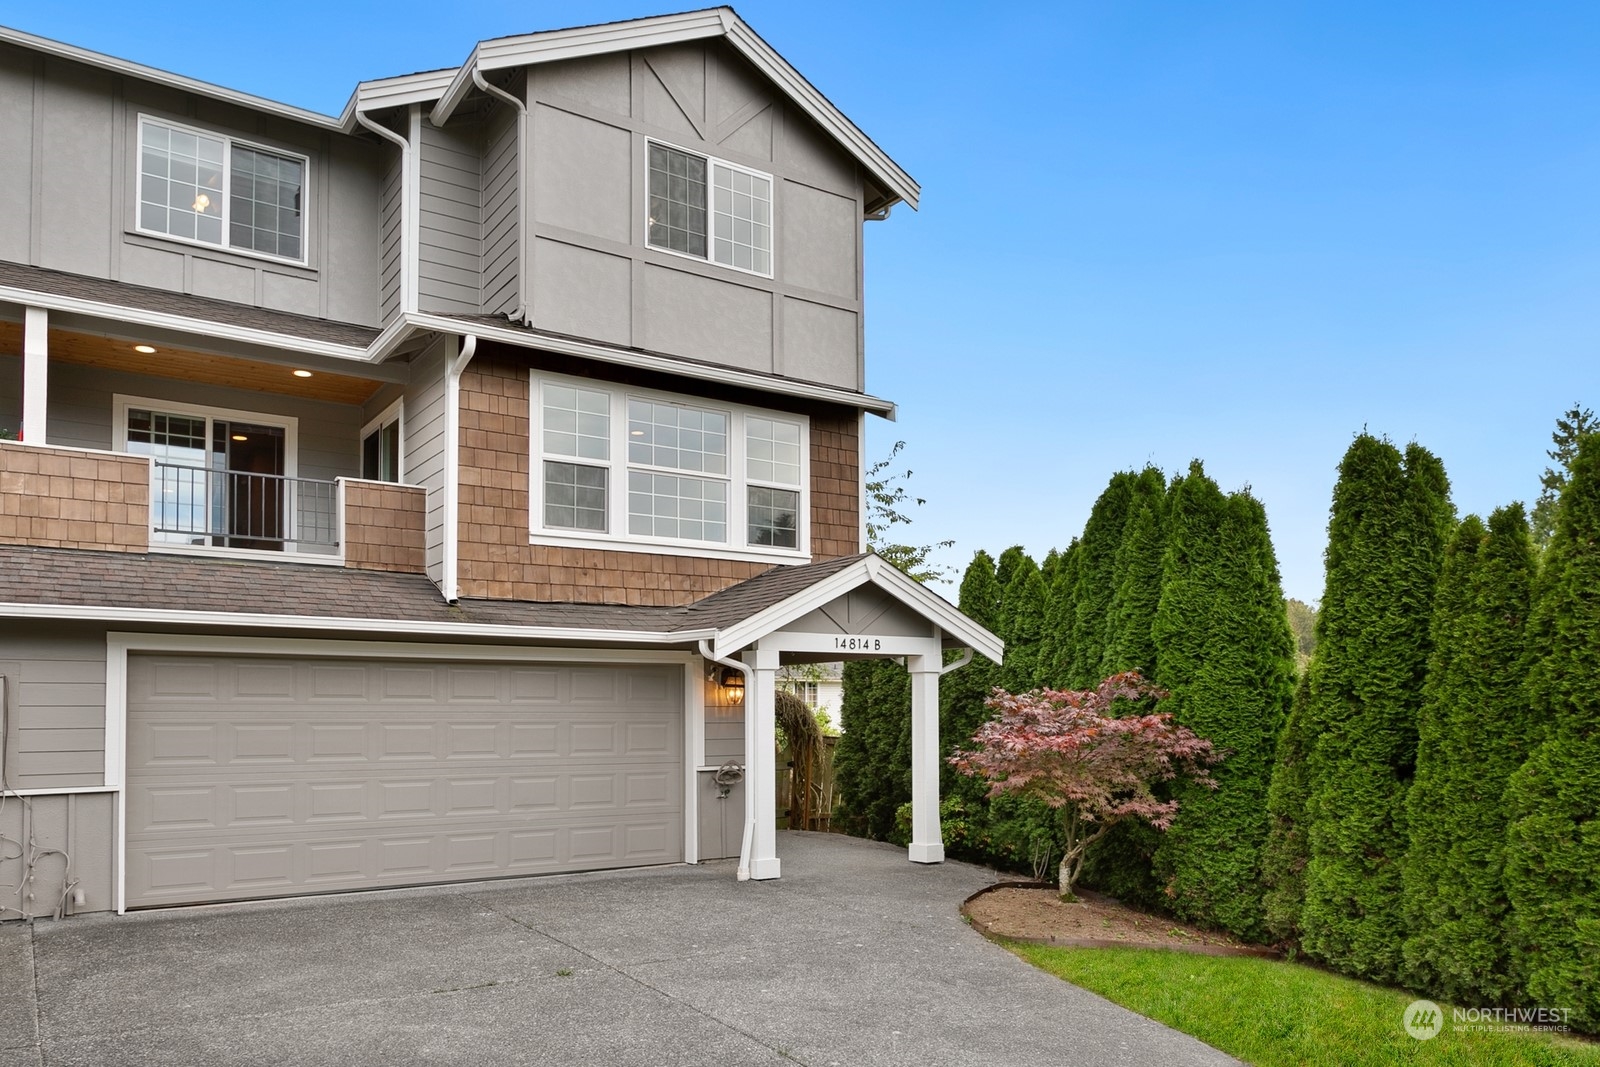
(733, 685)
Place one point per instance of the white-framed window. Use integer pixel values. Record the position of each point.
(380, 445)
(211, 189)
(615, 464)
(708, 208)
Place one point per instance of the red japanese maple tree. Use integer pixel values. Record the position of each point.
(1073, 751)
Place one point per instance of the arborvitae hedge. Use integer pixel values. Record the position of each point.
(1225, 653)
(1055, 644)
(1286, 852)
(872, 764)
(1471, 737)
(1092, 587)
(1386, 534)
(1552, 873)
(1022, 606)
(1136, 580)
(962, 692)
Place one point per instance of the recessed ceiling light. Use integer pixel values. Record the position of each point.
(145, 350)
(636, 433)
(302, 374)
(240, 437)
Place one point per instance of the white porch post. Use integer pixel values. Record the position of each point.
(35, 374)
(927, 843)
(760, 719)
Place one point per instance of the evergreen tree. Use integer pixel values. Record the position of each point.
(1471, 737)
(872, 763)
(962, 692)
(1022, 607)
(1136, 580)
(1225, 653)
(1286, 852)
(1552, 872)
(1092, 585)
(1570, 428)
(1055, 644)
(1386, 532)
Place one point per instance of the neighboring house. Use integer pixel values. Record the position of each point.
(398, 493)
(820, 685)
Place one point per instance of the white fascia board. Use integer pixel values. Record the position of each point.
(872, 569)
(182, 324)
(161, 77)
(531, 48)
(664, 364)
(316, 624)
(380, 93)
(813, 103)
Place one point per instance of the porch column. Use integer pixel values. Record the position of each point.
(760, 719)
(35, 374)
(927, 843)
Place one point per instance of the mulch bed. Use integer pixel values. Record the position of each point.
(1029, 912)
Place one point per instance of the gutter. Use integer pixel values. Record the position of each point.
(106, 613)
(522, 312)
(408, 217)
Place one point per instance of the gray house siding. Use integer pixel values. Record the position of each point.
(501, 212)
(425, 447)
(592, 274)
(450, 247)
(70, 135)
(55, 706)
(392, 230)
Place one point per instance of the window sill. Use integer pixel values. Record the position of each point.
(670, 548)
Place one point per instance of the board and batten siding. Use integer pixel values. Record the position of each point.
(501, 212)
(55, 706)
(70, 162)
(81, 414)
(450, 248)
(80, 825)
(591, 271)
(425, 447)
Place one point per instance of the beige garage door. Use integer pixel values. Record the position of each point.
(263, 776)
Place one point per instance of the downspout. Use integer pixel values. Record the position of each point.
(749, 741)
(407, 299)
(522, 313)
(957, 664)
(451, 585)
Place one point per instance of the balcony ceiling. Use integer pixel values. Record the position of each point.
(116, 353)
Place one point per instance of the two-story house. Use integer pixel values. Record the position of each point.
(431, 492)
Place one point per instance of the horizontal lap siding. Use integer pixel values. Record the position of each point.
(425, 449)
(450, 246)
(392, 236)
(500, 213)
(55, 706)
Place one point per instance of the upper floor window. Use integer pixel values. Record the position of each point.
(709, 209)
(621, 464)
(380, 446)
(214, 190)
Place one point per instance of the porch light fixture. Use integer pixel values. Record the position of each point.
(302, 374)
(733, 685)
(145, 350)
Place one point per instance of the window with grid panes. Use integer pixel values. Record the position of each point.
(214, 190)
(710, 209)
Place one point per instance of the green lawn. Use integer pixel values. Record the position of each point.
(1269, 1012)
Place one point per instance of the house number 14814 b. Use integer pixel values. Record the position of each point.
(858, 644)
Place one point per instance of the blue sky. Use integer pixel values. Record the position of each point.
(1150, 231)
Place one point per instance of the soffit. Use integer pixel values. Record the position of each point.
(116, 353)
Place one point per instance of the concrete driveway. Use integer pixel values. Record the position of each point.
(854, 957)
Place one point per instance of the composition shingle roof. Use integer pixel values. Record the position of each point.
(203, 308)
(160, 582)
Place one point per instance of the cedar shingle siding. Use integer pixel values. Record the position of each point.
(498, 562)
(63, 498)
(383, 526)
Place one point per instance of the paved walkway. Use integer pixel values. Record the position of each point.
(855, 957)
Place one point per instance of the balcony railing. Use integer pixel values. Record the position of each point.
(238, 509)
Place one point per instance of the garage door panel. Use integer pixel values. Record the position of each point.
(296, 776)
